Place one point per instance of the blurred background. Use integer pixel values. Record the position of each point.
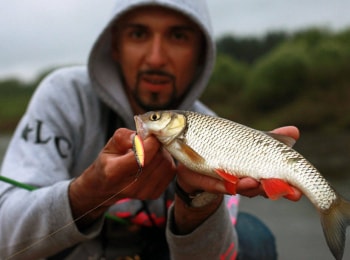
(279, 63)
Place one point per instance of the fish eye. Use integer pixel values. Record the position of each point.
(154, 117)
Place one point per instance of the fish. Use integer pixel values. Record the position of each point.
(228, 150)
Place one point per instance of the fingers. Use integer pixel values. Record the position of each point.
(192, 182)
(291, 131)
(295, 196)
(121, 166)
(119, 149)
(151, 148)
(113, 174)
(154, 178)
(120, 142)
(250, 188)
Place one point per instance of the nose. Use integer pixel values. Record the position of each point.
(156, 56)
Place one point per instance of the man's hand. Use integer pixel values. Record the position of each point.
(249, 187)
(187, 219)
(113, 176)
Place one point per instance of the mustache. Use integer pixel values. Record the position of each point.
(153, 72)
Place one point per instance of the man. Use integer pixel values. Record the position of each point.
(75, 145)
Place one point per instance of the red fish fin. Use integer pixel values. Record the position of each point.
(276, 188)
(230, 180)
(282, 138)
(190, 153)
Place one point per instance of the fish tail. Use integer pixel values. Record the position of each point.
(334, 223)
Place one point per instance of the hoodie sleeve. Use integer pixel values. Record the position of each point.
(35, 224)
(216, 238)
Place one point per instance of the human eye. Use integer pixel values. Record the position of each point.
(136, 33)
(179, 35)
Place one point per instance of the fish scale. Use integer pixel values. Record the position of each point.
(238, 155)
(210, 145)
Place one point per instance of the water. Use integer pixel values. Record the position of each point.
(296, 225)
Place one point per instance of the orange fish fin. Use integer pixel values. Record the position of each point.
(190, 153)
(230, 180)
(287, 140)
(276, 188)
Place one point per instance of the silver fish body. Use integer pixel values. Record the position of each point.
(207, 143)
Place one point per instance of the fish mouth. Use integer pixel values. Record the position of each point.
(141, 128)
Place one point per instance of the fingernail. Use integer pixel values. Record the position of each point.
(220, 186)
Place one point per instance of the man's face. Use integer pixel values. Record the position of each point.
(158, 51)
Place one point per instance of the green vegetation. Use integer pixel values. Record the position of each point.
(280, 79)
(301, 79)
(14, 98)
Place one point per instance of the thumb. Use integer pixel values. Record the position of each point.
(291, 131)
(121, 142)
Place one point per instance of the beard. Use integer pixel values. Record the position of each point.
(157, 100)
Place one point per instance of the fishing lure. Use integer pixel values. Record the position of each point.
(139, 151)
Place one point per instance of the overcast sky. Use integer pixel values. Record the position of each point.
(35, 34)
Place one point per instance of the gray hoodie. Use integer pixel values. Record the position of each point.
(61, 133)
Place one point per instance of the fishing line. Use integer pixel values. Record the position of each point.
(76, 219)
(138, 150)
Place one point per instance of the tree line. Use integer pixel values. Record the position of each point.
(300, 78)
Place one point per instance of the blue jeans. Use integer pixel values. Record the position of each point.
(256, 242)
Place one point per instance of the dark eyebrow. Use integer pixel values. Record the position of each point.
(118, 27)
(141, 26)
(184, 28)
(181, 27)
(133, 25)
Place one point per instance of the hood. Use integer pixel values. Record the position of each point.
(104, 72)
